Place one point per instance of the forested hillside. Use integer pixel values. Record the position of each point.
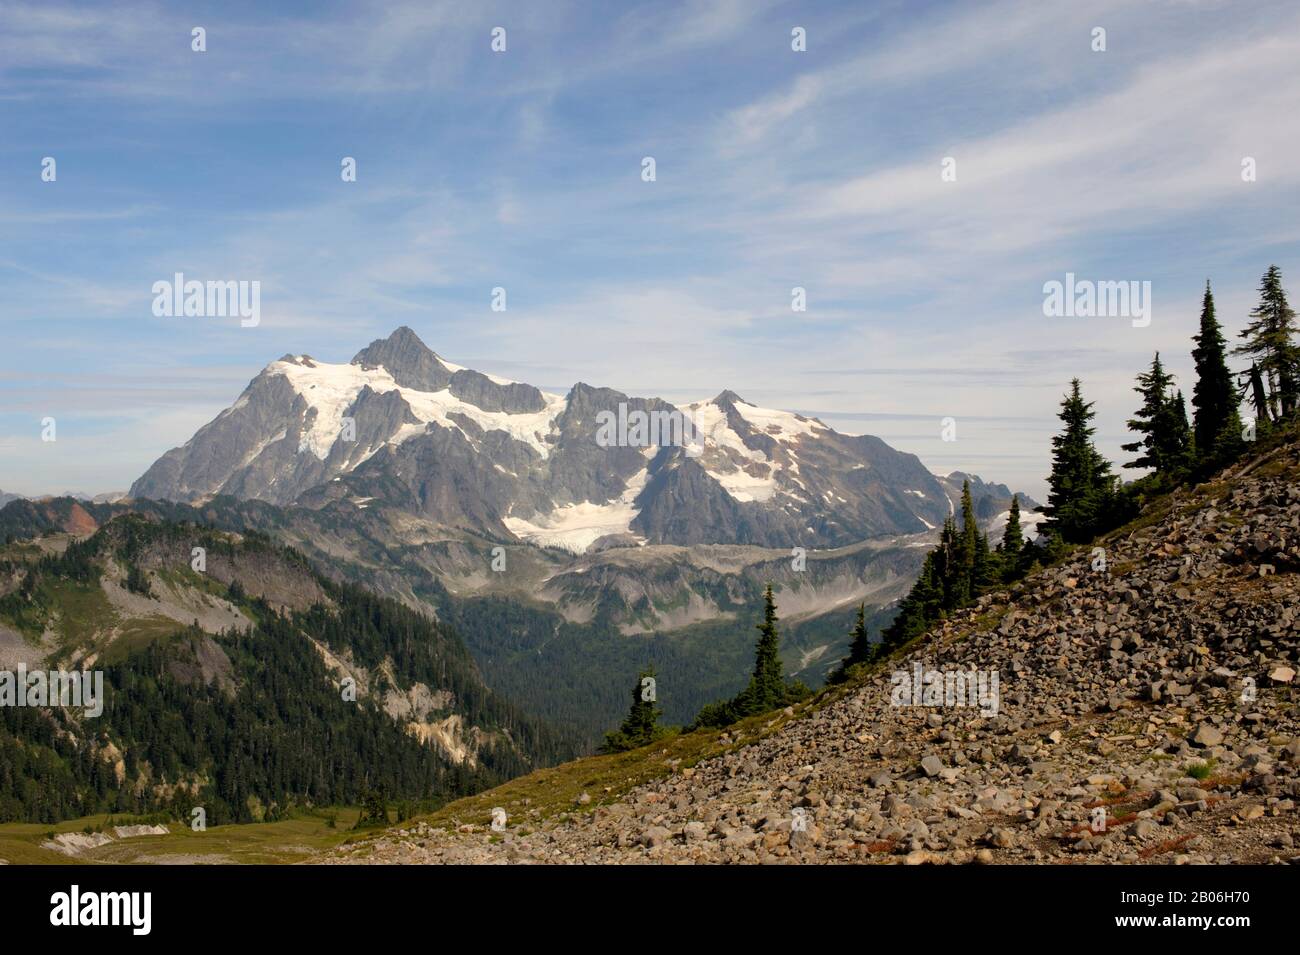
(245, 720)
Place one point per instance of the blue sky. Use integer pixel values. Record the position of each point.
(522, 169)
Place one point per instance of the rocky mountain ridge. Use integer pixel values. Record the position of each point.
(401, 427)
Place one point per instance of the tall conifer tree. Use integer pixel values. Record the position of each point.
(766, 688)
(1013, 540)
(1153, 386)
(1081, 486)
(1216, 422)
(861, 650)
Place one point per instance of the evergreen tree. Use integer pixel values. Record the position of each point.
(137, 581)
(1216, 420)
(861, 650)
(1154, 447)
(1177, 440)
(983, 571)
(970, 529)
(947, 560)
(1081, 487)
(641, 725)
(766, 688)
(374, 809)
(924, 603)
(1270, 341)
(1013, 541)
(973, 561)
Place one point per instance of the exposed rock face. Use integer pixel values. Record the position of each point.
(406, 358)
(251, 436)
(1143, 714)
(403, 427)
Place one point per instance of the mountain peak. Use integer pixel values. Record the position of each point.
(410, 361)
(402, 341)
(728, 397)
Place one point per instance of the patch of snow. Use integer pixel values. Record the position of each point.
(331, 389)
(1029, 521)
(495, 379)
(778, 423)
(239, 403)
(575, 527)
(262, 446)
(745, 487)
(717, 435)
(711, 423)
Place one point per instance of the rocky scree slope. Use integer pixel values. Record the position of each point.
(1147, 714)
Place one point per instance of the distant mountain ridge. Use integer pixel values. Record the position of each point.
(403, 426)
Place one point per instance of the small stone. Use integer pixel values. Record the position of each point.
(1001, 838)
(655, 836)
(1207, 735)
(805, 838)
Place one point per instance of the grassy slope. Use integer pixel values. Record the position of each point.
(282, 842)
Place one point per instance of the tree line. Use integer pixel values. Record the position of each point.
(1086, 498)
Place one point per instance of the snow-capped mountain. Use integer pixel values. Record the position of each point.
(401, 427)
